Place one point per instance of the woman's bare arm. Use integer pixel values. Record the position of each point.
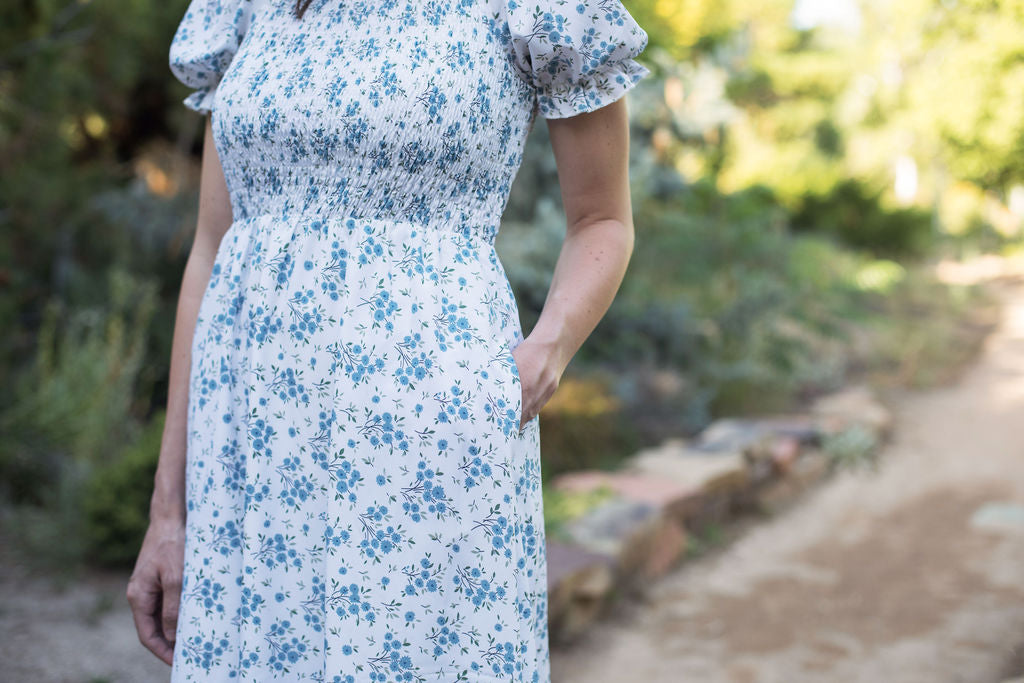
(154, 589)
(592, 154)
(213, 221)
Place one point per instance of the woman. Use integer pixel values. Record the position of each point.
(361, 496)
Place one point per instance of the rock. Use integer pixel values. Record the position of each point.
(803, 428)
(715, 481)
(666, 544)
(784, 452)
(565, 560)
(729, 435)
(579, 583)
(697, 471)
(761, 470)
(634, 486)
(808, 469)
(607, 527)
(773, 455)
(856, 405)
(769, 444)
(741, 434)
(641, 542)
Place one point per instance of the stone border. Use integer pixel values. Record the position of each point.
(662, 497)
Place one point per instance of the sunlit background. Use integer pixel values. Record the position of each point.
(811, 180)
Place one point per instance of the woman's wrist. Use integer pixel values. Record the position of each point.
(168, 500)
(555, 338)
(166, 512)
(167, 503)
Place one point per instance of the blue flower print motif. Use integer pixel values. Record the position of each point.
(379, 537)
(249, 609)
(425, 499)
(278, 550)
(226, 538)
(286, 649)
(481, 591)
(358, 362)
(203, 653)
(423, 576)
(208, 593)
(347, 601)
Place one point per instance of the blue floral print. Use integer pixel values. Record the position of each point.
(362, 502)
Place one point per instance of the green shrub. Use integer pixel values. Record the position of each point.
(854, 214)
(77, 400)
(854, 447)
(73, 411)
(116, 500)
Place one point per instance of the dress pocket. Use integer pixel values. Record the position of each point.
(511, 386)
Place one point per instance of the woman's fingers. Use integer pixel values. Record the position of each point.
(154, 590)
(171, 582)
(145, 596)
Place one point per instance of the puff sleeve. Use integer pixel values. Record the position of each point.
(577, 54)
(204, 44)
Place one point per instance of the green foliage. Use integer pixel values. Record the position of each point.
(805, 71)
(718, 289)
(751, 88)
(684, 28)
(78, 395)
(117, 496)
(965, 88)
(84, 88)
(719, 296)
(916, 331)
(72, 411)
(854, 214)
(853, 448)
(708, 537)
(828, 138)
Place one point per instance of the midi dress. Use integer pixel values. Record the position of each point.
(362, 504)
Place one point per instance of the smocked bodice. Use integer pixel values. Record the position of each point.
(409, 122)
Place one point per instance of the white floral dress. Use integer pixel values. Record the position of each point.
(361, 502)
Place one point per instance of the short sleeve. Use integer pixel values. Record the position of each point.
(577, 54)
(204, 44)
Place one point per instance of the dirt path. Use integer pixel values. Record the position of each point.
(81, 632)
(911, 573)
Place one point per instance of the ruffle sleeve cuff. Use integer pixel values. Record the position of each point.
(204, 44)
(578, 57)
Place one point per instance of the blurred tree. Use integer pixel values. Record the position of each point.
(964, 79)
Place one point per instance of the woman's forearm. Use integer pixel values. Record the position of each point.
(168, 500)
(589, 271)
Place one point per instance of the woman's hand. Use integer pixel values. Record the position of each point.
(540, 369)
(154, 590)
